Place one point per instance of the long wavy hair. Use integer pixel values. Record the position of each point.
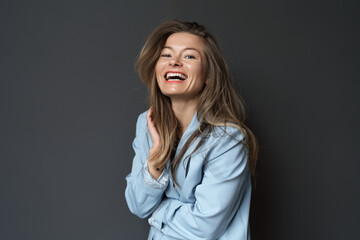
(219, 104)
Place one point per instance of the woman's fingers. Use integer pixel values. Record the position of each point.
(154, 150)
(155, 137)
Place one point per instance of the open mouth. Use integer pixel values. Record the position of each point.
(175, 76)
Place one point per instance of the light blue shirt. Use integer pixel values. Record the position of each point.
(213, 200)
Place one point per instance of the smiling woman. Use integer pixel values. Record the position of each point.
(180, 70)
(194, 156)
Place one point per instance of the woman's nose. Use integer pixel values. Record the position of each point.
(175, 62)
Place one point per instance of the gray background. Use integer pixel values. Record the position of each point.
(69, 100)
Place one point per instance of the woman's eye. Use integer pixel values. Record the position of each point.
(165, 55)
(190, 57)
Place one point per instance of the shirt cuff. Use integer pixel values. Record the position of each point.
(160, 183)
(156, 220)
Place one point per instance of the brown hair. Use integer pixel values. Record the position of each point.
(219, 104)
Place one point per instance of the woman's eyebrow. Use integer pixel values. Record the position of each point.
(189, 48)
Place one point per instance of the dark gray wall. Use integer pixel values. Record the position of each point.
(69, 99)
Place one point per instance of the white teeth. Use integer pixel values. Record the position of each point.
(179, 75)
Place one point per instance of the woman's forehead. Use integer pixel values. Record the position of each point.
(184, 40)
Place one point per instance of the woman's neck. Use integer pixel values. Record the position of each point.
(184, 112)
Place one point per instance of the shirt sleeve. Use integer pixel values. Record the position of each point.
(143, 193)
(160, 183)
(217, 198)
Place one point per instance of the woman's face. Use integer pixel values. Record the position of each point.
(181, 68)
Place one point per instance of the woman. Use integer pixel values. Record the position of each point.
(194, 156)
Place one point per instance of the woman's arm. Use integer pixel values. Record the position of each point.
(143, 192)
(226, 181)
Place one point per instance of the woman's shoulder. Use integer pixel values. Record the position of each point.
(142, 117)
(222, 138)
(141, 124)
(228, 131)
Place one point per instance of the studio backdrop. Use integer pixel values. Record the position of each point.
(70, 97)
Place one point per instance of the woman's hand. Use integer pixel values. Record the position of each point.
(154, 134)
(156, 143)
